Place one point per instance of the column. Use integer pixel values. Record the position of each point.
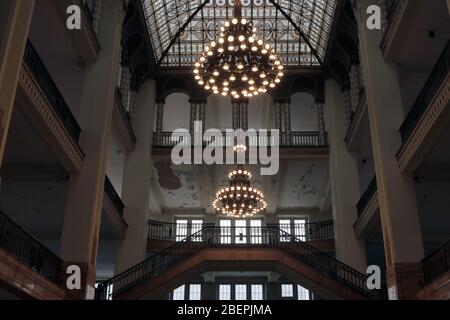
(82, 217)
(202, 113)
(384, 14)
(96, 15)
(240, 114)
(398, 208)
(355, 84)
(159, 119)
(235, 114)
(193, 116)
(278, 116)
(244, 114)
(132, 106)
(15, 24)
(137, 182)
(125, 83)
(287, 120)
(348, 107)
(321, 122)
(344, 182)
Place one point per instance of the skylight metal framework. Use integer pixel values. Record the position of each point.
(299, 30)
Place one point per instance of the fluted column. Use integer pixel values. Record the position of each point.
(202, 113)
(240, 114)
(348, 107)
(278, 122)
(159, 119)
(137, 181)
(82, 217)
(321, 123)
(396, 191)
(125, 82)
(384, 14)
(15, 21)
(193, 116)
(96, 15)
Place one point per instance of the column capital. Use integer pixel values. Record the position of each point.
(282, 100)
(240, 100)
(198, 101)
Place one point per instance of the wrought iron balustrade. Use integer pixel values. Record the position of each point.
(115, 199)
(437, 264)
(427, 95)
(22, 245)
(178, 232)
(217, 237)
(294, 139)
(367, 197)
(51, 91)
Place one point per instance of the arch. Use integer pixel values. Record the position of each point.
(339, 71)
(176, 85)
(304, 84)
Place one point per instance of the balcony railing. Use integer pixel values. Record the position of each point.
(28, 250)
(427, 95)
(114, 197)
(367, 197)
(177, 232)
(437, 264)
(51, 92)
(295, 139)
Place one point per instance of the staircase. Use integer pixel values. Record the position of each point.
(268, 244)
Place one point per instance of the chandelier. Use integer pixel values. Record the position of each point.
(239, 64)
(239, 199)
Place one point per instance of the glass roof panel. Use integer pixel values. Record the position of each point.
(180, 29)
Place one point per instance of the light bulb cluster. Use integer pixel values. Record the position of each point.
(239, 64)
(239, 200)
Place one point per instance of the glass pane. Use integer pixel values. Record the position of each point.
(257, 292)
(303, 294)
(178, 294)
(287, 291)
(241, 231)
(225, 231)
(255, 232)
(299, 229)
(285, 227)
(195, 292)
(181, 230)
(196, 227)
(241, 292)
(225, 292)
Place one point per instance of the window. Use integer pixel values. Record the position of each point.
(241, 231)
(240, 292)
(255, 232)
(188, 227)
(225, 231)
(196, 227)
(257, 292)
(285, 229)
(287, 291)
(178, 294)
(299, 229)
(181, 230)
(225, 292)
(303, 294)
(295, 227)
(195, 292)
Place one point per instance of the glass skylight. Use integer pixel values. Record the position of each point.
(180, 29)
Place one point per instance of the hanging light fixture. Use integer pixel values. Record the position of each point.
(238, 64)
(239, 199)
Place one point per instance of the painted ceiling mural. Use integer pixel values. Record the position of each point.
(278, 23)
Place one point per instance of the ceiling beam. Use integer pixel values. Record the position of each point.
(181, 30)
(302, 35)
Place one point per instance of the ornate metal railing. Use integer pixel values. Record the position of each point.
(367, 197)
(28, 250)
(178, 232)
(216, 237)
(51, 92)
(437, 264)
(428, 93)
(113, 196)
(294, 139)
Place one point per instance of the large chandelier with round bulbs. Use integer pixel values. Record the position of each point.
(239, 64)
(239, 199)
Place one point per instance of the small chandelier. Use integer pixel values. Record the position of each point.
(239, 199)
(239, 64)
